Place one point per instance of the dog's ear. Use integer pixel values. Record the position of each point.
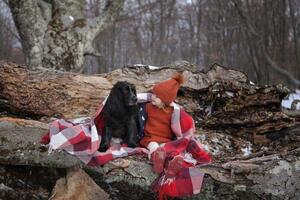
(116, 97)
(132, 88)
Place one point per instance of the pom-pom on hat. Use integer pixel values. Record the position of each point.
(167, 90)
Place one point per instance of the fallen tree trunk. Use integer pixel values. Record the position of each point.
(63, 94)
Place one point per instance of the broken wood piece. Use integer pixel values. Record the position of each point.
(237, 167)
(217, 174)
(77, 185)
(120, 163)
(25, 122)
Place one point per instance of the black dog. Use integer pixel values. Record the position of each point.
(120, 115)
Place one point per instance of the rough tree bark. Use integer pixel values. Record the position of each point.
(62, 94)
(55, 34)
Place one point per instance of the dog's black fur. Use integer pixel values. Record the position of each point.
(120, 115)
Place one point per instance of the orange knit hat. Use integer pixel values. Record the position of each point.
(167, 90)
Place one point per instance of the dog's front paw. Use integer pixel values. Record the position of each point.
(131, 144)
(103, 148)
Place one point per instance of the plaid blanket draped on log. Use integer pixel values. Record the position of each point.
(82, 138)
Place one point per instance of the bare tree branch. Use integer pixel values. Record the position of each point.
(294, 28)
(274, 66)
(92, 52)
(244, 19)
(109, 14)
(288, 76)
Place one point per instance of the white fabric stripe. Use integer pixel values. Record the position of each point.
(81, 153)
(175, 127)
(65, 123)
(196, 183)
(80, 120)
(121, 153)
(57, 141)
(85, 159)
(144, 97)
(94, 139)
(189, 159)
(175, 120)
(104, 101)
(152, 146)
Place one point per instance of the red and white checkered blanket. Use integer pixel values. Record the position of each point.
(83, 137)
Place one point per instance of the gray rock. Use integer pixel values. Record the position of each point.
(275, 178)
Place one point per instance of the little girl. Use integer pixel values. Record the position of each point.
(160, 139)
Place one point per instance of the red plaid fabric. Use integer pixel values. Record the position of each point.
(186, 183)
(82, 137)
(180, 176)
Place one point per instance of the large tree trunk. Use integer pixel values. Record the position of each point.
(63, 94)
(57, 35)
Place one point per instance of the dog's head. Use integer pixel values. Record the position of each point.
(126, 91)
